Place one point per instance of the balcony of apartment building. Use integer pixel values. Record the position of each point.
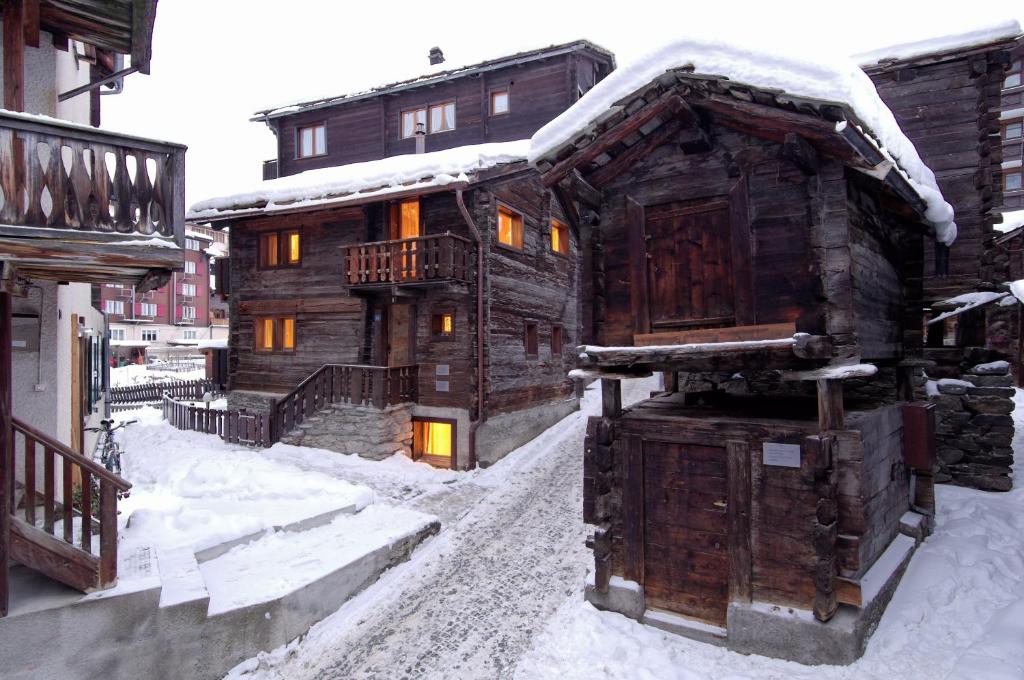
(89, 205)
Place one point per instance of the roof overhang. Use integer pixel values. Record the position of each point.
(119, 26)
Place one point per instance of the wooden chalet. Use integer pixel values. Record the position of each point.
(434, 286)
(78, 205)
(753, 245)
(946, 96)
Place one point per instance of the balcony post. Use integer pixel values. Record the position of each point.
(6, 446)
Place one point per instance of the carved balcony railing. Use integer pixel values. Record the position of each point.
(62, 176)
(425, 259)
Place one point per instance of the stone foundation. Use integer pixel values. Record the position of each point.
(366, 431)
(251, 401)
(974, 429)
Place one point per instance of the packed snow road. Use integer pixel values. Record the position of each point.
(469, 604)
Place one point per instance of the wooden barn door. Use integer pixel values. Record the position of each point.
(689, 265)
(685, 542)
(400, 328)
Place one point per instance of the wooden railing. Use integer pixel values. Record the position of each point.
(64, 176)
(377, 386)
(438, 257)
(52, 514)
(234, 427)
(153, 392)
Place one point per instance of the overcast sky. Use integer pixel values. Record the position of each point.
(217, 62)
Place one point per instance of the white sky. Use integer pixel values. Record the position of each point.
(216, 62)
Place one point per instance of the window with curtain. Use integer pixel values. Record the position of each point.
(442, 117)
(510, 228)
(312, 141)
(410, 119)
(434, 441)
(499, 102)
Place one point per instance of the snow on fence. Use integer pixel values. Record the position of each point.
(154, 392)
(234, 427)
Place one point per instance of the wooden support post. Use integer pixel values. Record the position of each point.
(14, 55)
(611, 398)
(671, 381)
(739, 504)
(6, 444)
(830, 405)
(818, 457)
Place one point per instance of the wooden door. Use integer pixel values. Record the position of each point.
(689, 265)
(686, 566)
(400, 335)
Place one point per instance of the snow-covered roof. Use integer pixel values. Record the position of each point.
(1005, 29)
(216, 343)
(1012, 219)
(363, 181)
(965, 303)
(809, 75)
(431, 74)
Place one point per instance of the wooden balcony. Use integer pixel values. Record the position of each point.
(82, 204)
(424, 260)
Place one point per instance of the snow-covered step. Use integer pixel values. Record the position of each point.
(181, 580)
(350, 552)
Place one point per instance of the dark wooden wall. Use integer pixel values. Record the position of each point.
(950, 111)
(370, 129)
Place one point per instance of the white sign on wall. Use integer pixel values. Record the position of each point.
(780, 455)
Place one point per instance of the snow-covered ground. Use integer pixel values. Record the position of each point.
(957, 614)
(139, 374)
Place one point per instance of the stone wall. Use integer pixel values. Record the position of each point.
(974, 429)
(368, 432)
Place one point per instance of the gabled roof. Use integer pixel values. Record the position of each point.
(941, 47)
(358, 183)
(439, 73)
(830, 101)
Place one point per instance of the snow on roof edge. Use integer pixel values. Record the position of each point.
(822, 77)
(1004, 29)
(1012, 219)
(368, 179)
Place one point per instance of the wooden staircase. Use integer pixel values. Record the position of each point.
(52, 531)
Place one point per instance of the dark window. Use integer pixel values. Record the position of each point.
(530, 339)
(499, 102)
(275, 333)
(510, 228)
(280, 249)
(556, 341)
(442, 324)
(1013, 76)
(310, 141)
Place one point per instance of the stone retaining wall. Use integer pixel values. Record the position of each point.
(366, 431)
(974, 429)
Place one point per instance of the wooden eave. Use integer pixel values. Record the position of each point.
(801, 352)
(677, 105)
(895, 64)
(120, 26)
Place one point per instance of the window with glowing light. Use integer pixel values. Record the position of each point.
(442, 324)
(559, 238)
(275, 334)
(280, 249)
(510, 228)
(433, 441)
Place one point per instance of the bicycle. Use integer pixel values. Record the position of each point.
(110, 452)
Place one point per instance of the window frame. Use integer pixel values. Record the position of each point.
(118, 334)
(563, 230)
(413, 110)
(190, 267)
(1016, 70)
(534, 337)
(1007, 173)
(154, 333)
(1005, 128)
(283, 236)
(556, 348)
(431, 458)
(504, 207)
(113, 307)
(441, 313)
(441, 105)
(142, 308)
(505, 90)
(299, 156)
(277, 334)
(192, 244)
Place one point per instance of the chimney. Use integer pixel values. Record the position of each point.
(421, 137)
(436, 56)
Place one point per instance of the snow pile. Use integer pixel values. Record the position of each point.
(193, 490)
(785, 67)
(279, 563)
(1013, 219)
(958, 613)
(140, 374)
(992, 368)
(1017, 288)
(363, 180)
(965, 303)
(982, 35)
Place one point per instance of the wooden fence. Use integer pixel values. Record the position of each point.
(192, 390)
(234, 427)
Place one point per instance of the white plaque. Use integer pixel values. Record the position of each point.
(782, 455)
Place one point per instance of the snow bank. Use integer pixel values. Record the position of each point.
(958, 613)
(193, 490)
(139, 374)
(787, 67)
(993, 32)
(362, 180)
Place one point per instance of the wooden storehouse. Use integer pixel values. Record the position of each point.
(422, 299)
(946, 96)
(750, 241)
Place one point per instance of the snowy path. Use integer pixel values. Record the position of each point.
(471, 602)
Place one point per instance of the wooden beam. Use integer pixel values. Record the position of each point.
(568, 209)
(14, 55)
(6, 447)
(830, 404)
(667, 104)
(800, 153)
(331, 305)
(633, 509)
(663, 135)
(611, 398)
(739, 514)
(80, 254)
(31, 19)
(582, 191)
(768, 331)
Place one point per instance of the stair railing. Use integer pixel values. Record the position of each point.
(79, 478)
